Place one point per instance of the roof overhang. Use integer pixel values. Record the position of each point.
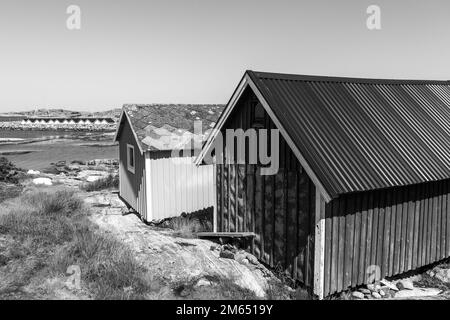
(248, 80)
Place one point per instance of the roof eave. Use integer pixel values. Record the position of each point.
(124, 116)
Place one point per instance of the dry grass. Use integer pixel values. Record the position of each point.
(427, 281)
(8, 191)
(284, 287)
(109, 182)
(229, 290)
(50, 231)
(187, 225)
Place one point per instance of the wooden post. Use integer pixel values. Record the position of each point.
(319, 245)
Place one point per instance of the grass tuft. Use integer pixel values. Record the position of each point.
(52, 232)
(109, 182)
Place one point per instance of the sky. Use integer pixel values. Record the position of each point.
(195, 51)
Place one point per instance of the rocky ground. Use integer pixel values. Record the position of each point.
(176, 267)
(189, 268)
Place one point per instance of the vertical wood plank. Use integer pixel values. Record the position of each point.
(443, 220)
(369, 235)
(259, 215)
(362, 245)
(240, 197)
(335, 246)
(319, 245)
(250, 196)
(279, 220)
(398, 230)
(415, 250)
(387, 235)
(410, 228)
(374, 252)
(429, 223)
(328, 248)
(349, 237)
(219, 195)
(311, 233)
(226, 198)
(434, 223)
(392, 235)
(341, 259)
(404, 223)
(438, 221)
(232, 197)
(268, 220)
(356, 242)
(381, 222)
(302, 225)
(424, 218)
(291, 220)
(447, 213)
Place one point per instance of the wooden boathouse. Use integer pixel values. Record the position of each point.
(363, 180)
(156, 182)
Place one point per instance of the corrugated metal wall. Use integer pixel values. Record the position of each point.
(279, 208)
(397, 229)
(178, 186)
(132, 185)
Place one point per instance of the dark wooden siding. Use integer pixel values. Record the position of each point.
(397, 229)
(132, 185)
(279, 208)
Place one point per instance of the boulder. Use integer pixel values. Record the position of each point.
(364, 291)
(93, 178)
(389, 284)
(442, 274)
(42, 181)
(240, 256)
(405, 285)
(185, 292)
(226, 254)
(203, 283)
(371, 287)
(33, 172)
(252, 259)
(376, 295)
(357, 295)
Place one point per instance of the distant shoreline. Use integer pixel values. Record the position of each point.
(17, 126)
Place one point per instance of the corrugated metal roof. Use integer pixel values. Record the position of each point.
(169, 126)
(364, 134)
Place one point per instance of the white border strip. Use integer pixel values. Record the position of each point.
(319, 246)
(148, 182)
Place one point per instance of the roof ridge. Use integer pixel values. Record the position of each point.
(336, 79)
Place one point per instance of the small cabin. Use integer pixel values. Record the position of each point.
(362, 191)
(157, 174)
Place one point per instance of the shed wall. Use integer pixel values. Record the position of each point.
(279, 209)
(132, 186)
(395, 230)
(178, 186)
